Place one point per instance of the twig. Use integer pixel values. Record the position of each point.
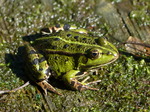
(14, 90)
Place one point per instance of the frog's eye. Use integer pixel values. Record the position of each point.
(94, 53)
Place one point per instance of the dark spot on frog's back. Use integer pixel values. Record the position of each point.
(66, 27)
(84, 39)
(79, 46)
(57, 25)
(35, 61)
(69, 35)
(66, 45)
(76, 37)
(56, 39)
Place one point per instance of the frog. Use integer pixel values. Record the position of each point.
(67, 53)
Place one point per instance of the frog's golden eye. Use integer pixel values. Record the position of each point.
(94, 53)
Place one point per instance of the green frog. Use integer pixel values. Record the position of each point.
(67, 53)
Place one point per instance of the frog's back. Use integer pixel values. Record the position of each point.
(67, 42)
(78, 37)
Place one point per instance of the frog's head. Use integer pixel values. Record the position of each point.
(101, 54)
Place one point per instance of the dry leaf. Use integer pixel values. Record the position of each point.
(137, 47)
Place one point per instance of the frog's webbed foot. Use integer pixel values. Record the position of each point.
(46, 86)
(72, 78)
(81, 85)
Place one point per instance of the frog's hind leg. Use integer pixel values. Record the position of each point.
(46, 86)
(39, 69)
(71, 79)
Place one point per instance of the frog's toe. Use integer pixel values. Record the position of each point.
(46, 86)
(93, 82)
(79, 86)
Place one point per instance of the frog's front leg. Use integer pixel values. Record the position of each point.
(71, 79)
